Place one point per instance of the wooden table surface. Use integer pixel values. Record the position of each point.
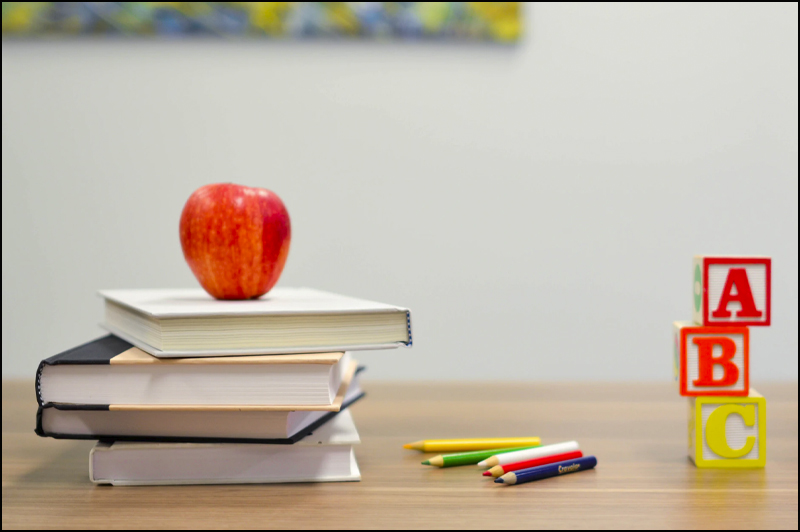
(637, 431)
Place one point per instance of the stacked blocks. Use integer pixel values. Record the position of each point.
(711, 362)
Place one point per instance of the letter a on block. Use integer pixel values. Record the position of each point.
(728, 432)
(737, 277)
(713, 360)
(732, 290)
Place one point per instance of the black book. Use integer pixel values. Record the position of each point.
(84, 372)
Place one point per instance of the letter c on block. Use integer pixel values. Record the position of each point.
(715, 430)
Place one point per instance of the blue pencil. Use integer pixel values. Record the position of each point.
(547, 471)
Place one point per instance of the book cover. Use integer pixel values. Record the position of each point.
(190, 323)
(113, 351)
(326, 455)
(302, 433)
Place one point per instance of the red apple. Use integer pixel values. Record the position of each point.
(235, 239)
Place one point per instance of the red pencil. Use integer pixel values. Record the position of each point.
(500, 470)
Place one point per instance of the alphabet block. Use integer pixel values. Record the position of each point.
(712, 360)
(728, 432)
(732, 290)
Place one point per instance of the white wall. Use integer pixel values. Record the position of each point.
(536, 207)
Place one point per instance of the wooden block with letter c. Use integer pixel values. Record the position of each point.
(728, 432)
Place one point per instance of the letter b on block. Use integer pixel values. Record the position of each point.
(728, 432)
(732, 290)
(712, 360)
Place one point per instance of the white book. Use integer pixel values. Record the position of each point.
(189, 322)
(111, 372)
(324, 456)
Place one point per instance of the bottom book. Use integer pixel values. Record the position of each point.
(326, 455)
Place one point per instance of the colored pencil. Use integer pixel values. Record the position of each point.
(470, 458)
(447, 446)
(500, 470)
(530, 454)
(547, 471)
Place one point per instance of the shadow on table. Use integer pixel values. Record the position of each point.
(69, 467)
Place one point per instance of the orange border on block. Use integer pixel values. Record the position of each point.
(705, 329)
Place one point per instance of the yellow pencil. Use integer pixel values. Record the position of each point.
(446, 446)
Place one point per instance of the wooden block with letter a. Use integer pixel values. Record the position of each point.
(732, 290)
(712, 360)
(728, 432)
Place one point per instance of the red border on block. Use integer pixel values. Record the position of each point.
(767, 261)
(744, 331)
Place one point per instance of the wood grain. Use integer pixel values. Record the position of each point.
(637, 431)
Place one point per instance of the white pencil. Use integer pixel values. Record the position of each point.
(530, 454)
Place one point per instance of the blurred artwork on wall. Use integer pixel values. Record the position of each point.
(479, 21)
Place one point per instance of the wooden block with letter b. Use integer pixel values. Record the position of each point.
(728, 432)
(712, 360)
(732, 290)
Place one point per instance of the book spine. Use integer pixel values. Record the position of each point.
(38, 382)
(39, 430)
(408, 324)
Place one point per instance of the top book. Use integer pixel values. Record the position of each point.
(190, 323)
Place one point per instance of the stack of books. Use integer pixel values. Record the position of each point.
(191, 390)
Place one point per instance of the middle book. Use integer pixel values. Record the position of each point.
(108, 389)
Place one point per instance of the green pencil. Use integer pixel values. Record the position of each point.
(471, 458)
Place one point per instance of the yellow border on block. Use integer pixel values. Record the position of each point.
(731, 463)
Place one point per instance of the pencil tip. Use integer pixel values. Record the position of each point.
(426, 462)
(487, 474)
(414, 446)
(482, 464)
(499, 481)
(408, 446)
